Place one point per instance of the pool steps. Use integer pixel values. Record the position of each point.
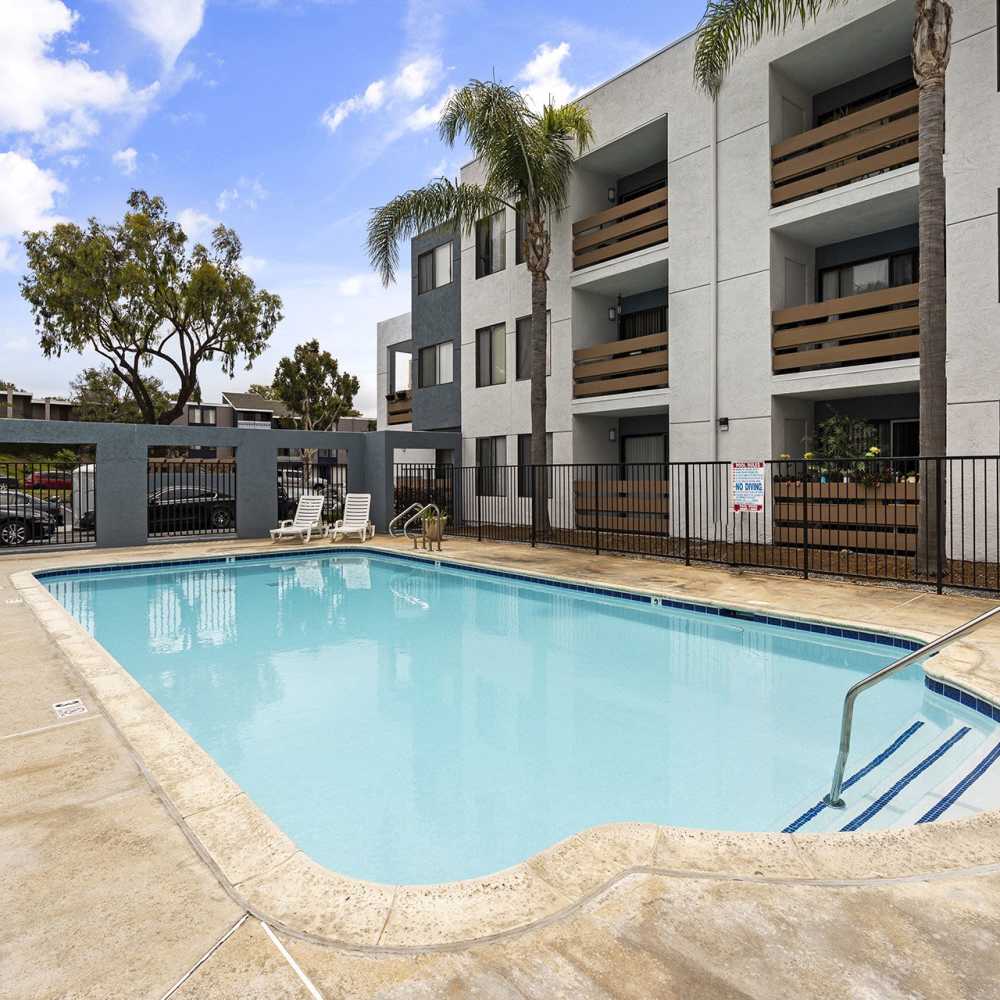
(926, 772)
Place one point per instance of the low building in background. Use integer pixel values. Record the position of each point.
(20, 405)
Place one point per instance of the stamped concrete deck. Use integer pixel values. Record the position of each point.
(107, 893)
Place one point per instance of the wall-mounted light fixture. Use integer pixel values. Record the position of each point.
(615, 311)
(612, 435)
(612, 195)
(723, 423)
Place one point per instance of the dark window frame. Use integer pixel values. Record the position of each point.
(525, 481)
(486, 334)
(526, 375)
(490, 478)
(521, 232)
(913, 252)
(486, 260)
(435, 348)
(431, 256)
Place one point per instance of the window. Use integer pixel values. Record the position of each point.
(868, 276)
(520, 233)
(643, 323)
(201, 415)
(435, 364)
(525, 480)
(491, 355)
(523, 346)
(434, 268)
(490, 245)
(491, 457)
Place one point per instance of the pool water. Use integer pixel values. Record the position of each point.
(410, 723)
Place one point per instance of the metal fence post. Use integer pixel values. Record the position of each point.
(687, 518)
(805, 520)
(939, 521)
(479, 504)
(534, 501)
(597, 513)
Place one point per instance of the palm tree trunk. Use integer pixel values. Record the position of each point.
(931, 51)
(538, 259)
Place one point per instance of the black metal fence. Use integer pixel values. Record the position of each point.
(298, 478)
(932, 521)
(46, 503)
(188, 497)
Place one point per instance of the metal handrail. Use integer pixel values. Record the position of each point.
(419, 516)
(929, 649)
(401, 515)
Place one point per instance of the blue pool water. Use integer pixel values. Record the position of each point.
(407, 723)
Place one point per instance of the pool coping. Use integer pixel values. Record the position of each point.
(261, 868)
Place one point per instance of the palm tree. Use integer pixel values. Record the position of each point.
(527, 158)
(730, 26)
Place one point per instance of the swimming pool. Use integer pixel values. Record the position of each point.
(406, 722)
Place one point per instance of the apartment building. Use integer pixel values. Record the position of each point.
(727, 274)
(20, 405)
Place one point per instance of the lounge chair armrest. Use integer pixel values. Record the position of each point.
(285, 524)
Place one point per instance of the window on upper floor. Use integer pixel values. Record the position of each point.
(435, 365)
(889, 271)
(523, 347)
(520, 232)
(201, 416)
(491, 241)
(491, 355)
(434, 268)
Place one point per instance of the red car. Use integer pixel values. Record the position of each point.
(48, 481)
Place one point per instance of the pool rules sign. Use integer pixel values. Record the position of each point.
(746, 487)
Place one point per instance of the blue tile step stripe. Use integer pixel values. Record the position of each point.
(890, 793)
(948, 800)
(811, 813)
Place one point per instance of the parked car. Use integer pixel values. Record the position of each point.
(21, 523)
(289, 494)
(88, 520)
(189, 508)
(9, 483)
(56, 510)
(48, 481)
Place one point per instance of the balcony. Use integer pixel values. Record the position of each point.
(633, 225)
(621, 366)
(400, 407)
(858, 329)
(254, 425)
(876, 138)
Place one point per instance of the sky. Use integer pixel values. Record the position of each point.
(288, 120)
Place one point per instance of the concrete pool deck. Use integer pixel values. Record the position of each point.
(125, 855)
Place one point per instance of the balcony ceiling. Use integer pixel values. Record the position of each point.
(630, 152)
(629, 275)
(858, 48)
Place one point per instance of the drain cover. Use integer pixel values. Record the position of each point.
(64, 709)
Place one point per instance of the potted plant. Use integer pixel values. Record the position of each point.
(433, 528)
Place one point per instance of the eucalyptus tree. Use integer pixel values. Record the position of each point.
(526, 160)
(731, 26)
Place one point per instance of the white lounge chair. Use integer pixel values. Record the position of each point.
(356, 519)
(307, 520)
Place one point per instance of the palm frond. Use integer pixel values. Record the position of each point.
(419, 210)
(730, 26)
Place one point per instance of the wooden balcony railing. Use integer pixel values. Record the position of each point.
(400, 407)
(857, 329)
(637, 505)
(882, 518)
(876, 138)
(633, 225)
(621, 366)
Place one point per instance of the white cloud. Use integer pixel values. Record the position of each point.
(247, 191)
(427, 114)
(253, 265)
(542, 77)
(80, 49)
(197, 225)
(168, 24)
(54, 101)
(352, 286)
(415, 79)
(126, 160)
(27, 195)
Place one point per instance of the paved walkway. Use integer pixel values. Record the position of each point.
(102, 896)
